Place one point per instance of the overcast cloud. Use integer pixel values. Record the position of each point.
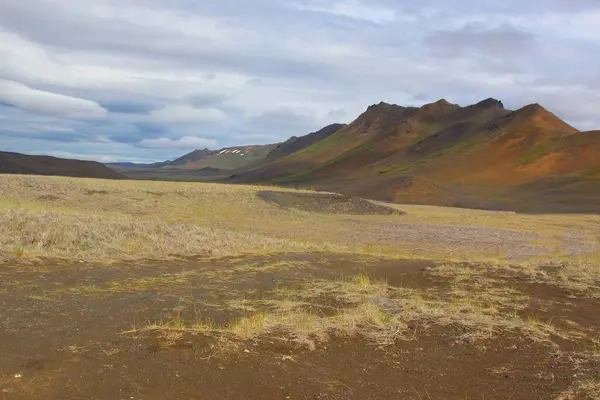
(148, 80)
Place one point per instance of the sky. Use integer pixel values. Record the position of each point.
(150, 80)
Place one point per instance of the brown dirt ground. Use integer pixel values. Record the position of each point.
(61, 337)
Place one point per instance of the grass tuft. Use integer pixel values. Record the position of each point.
(249, 327)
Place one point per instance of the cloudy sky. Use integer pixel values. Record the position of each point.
(146, 80)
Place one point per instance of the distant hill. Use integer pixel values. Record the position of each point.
(16, 163)
(229, 158)
(199, 164)
(295, 143)
(202, 163)
(138, 165)
(194, 156)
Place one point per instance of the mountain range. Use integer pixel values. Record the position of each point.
(478, 156)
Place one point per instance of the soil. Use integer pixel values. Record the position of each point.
(327, 203)
(57, 342)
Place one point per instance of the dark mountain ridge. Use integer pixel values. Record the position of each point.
(16, 163)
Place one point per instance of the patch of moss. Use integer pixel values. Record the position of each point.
(463, 145)
(592, 174)
(537, 151)
(426, 130)
(334, 140)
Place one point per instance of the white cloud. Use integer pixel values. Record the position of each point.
(186, 142)
(103, 158)
(186, 114)
(577, 25)
(24, 97)
(45, 128)
(577, 105)
(109, 73)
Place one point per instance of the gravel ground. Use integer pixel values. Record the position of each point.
(506, 243)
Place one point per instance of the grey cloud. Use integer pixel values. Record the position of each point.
(130, 137)
(45, 135)
(288, 122)
(150, 127)
(6, 105)
(255, 82)
(125, 107)
(202, 100)
(28, 98)
(185, 142)
(54, 24)
(185, 114)
(467, 7)
(337, 114)
(499, 42)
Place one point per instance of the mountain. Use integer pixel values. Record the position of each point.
(205, 163)
(228, 158)
(295, 143)
(480, 156)
(15, 163)
(199, 164)
(194, 156)
(380, 132)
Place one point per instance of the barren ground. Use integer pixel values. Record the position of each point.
(149, 290)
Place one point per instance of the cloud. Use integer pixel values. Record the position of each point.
(103, 158)
(336, 114)
(580, 105)
(354, 9)
(201, 100)
(44, 128)
(24, 97)
(186, 114)
(286, 121)
(126, 107)
(147, 127)
(264, 70)
(496, 42)
(420, 97)
(186, 142)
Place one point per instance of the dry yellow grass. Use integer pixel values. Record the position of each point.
(586, 390)
(121, 222)
(372, 309)
(579, 275)
(112, 221)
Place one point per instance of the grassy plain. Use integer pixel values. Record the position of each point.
(111, 221)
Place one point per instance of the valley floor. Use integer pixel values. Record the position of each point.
(145, 290)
